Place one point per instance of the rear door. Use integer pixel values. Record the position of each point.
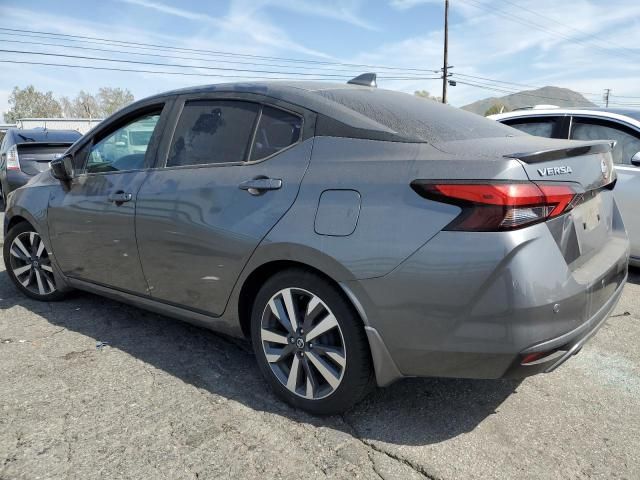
(92, 220)
(627, 191)
(233, 168)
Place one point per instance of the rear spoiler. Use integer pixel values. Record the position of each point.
(584, 148)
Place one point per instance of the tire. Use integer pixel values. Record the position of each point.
(332, 370)
(28, 264)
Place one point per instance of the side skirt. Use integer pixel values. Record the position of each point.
(216, 324)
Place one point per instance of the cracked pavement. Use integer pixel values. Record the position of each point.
(163, 399)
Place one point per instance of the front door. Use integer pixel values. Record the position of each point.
(92, 222)
(233, 169)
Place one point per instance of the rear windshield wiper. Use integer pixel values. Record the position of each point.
(25, 138)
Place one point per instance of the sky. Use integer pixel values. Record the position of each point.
(585, 45)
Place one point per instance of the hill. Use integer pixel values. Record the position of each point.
(562, 97)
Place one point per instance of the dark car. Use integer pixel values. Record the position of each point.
(354, 234)
(25, 153)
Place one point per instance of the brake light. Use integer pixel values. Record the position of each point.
(500, 206)
(13, 162)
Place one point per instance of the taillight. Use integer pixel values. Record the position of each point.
(13, 163)
(488, 207)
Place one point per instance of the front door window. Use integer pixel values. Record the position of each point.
(125, 148)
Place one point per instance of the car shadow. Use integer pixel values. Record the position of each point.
(410, 412)
(634, 275)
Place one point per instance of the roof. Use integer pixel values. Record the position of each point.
(382, 114)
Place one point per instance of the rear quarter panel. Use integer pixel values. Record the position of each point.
(393, 220)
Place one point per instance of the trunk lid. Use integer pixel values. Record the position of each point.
(590, 165)
(593, 224)
(34, 157)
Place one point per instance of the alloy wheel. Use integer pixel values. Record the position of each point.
(303, 343)
(30, 263)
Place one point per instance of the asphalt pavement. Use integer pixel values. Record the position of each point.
(93, 388)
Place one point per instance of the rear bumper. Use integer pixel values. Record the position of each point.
(470, 305)
(558, 350)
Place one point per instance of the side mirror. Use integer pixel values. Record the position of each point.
(62, 168)
(635, 160)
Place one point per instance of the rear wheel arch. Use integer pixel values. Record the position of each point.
(261, 274)
(15, 220)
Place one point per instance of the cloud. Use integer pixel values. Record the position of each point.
(344, 11)
(239, 24)
(407, 4)
(177, 12)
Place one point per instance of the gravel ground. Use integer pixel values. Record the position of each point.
(163, 399)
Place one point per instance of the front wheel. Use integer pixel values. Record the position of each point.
(309, 343)
(29, 265)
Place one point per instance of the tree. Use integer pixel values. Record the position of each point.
(84, 105)
(113, 99)
(496, 108)
(425, 94)
(104, 103)
(31, 103)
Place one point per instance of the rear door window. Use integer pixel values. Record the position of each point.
(627, 140)
(539, 127)
(213, 132)
(276, 131)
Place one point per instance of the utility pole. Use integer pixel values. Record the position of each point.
(445, 67)
(607, 92)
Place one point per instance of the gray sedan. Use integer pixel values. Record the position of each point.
(355, 235)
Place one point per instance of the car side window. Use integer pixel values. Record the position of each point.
(213, 131)
(539, 127)
(276, 131)
(125, 148)
(627, 143)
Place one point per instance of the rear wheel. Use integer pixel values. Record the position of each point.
(28, 263)
(310, 345)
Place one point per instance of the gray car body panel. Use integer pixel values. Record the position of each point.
(432, 302)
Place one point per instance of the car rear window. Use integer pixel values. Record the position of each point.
(416, 119)
(45, 136)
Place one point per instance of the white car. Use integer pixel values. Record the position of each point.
(621, 125)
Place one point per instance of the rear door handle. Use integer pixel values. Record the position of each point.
(119, 197)
(258, 186)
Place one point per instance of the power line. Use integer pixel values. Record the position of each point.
(126, 52)
(502, 90)
(350, 73)
(563, 25)
(194, 74)
(151, 46)
(493, 80)
(494, 10)
(179, 65)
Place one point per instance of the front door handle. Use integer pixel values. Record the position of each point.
(119, 197)
(259, 185)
